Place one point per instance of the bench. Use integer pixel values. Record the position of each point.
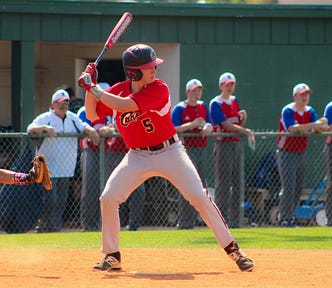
(306, 192)
(259, 198)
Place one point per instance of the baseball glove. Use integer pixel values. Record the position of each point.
(322, 125)
(40, 173)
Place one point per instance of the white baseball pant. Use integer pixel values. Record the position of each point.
(171, 163)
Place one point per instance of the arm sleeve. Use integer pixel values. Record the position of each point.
(328, 114)
(154, 97)
(177, 116)
(42, 119)
(217, 115)
(313, 115)
(81, 113)
(288, 118)
(102, 110)
(80, 124)
(207, 115)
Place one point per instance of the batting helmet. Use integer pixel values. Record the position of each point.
(139, 56)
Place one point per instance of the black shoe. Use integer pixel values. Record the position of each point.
(132, 227)
(110, 262)
(40, 229)
(241, 259)
(288, 223)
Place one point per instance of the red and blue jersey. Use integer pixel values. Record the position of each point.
(222, 110)
(328, 115)
(97, 124)
(151, 124)
(184, 113)
(291, 116)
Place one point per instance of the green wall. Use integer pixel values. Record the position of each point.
(269, 56)
(266, 76)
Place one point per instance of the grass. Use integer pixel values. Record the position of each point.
(259, 238)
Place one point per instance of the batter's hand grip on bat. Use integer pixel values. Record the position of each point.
(92, 71)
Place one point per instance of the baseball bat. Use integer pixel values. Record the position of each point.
(118, 30)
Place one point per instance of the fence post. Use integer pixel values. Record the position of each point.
(101, 164)
(242, 190)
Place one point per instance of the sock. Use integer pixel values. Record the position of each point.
(116, 255)
(233, 246)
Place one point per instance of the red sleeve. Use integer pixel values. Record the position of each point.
(102, 110)
(154, 97)
(121, 88)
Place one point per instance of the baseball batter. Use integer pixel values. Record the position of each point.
(142, 108)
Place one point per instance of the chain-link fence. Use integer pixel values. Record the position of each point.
(244, 182)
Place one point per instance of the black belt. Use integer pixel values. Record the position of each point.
(160, 146)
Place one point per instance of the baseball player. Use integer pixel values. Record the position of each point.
(39, 173)
(328, 163)
(12, 177)
(192, 115)
(296, 116)
(227, 117)
(142, 108)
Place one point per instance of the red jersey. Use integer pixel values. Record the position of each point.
(222, 110)
(117, 144)
(289, 117)
(151, 124)
(184, 113)
(97, 124)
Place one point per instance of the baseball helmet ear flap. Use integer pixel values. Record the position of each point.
(133, 74)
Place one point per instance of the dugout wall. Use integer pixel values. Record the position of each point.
(270, 48)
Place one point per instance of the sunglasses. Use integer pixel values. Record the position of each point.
(64, 102)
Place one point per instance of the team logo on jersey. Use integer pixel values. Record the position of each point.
(128, 117)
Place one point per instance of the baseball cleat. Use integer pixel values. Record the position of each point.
(110, 262)
(241, 259)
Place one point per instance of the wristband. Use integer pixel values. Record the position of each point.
(21, 178)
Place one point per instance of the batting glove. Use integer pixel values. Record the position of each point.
(92, 70)
(85, 81)
(89, 76)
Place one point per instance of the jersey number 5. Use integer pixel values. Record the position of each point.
(148, 125)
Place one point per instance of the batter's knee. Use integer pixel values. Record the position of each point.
(196, 199)
(111, 199)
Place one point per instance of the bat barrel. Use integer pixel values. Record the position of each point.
(118, 30)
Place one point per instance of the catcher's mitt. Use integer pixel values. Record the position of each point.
(40, 173)
(323, 125)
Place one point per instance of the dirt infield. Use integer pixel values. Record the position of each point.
(185, 268)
